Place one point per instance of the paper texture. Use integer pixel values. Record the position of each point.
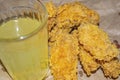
(109, 11)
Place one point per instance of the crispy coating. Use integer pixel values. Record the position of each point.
(73, 24)
(51, 8)
(51, 24)
(53, 35)
(88, 62)
(52, 11)
(97, 42)
(63, 59)
(72, 14)
(68, 16)
(112, 68)
(52, 27)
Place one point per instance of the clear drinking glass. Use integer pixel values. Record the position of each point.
(24, 39)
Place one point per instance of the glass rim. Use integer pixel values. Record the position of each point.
(22, 37)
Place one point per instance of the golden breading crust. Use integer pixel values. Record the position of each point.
(97, 42)
(51, 8)
(63, 59)
(68, 16)
(52, 27)
(88, 62)
(111, 69)
(72, 14)
(73, 24)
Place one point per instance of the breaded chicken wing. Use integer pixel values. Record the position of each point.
(72, 14)
(97, 42)
(63, 60)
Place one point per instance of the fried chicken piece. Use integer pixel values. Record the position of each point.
(63, 60)
(97, 42)
(68, 16)
(69, 24)
(72, 14)
(87, 61)
(111, 69)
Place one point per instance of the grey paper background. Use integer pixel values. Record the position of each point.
(109, 11)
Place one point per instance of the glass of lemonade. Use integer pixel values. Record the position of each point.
(24, 39)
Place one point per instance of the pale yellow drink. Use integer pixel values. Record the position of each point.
(24, 59)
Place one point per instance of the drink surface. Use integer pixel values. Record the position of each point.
(17, 27)
(24, 59)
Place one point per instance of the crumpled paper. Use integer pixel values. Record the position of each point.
(109, 11)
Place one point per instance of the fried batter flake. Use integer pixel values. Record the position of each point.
(88, 62)
(63, 59)
(112, 68)
(97, 42)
